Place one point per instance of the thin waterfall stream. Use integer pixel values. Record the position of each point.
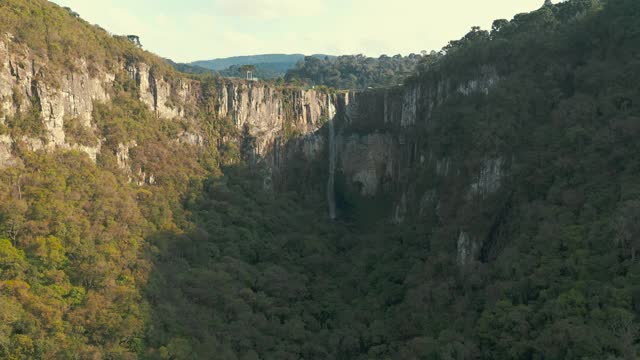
(331, 196)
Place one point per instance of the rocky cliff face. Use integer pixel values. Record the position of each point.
(379, 142)
(268, 115)
(25, 82)
(379, 146)
(369, 144)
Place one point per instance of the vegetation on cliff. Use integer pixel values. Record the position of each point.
(55, 36)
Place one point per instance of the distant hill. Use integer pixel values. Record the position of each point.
(188, 68)
(268, 65)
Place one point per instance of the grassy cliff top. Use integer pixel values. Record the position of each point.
(60, 37)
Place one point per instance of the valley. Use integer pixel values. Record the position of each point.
(483, 207)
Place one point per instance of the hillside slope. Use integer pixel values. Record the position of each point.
(100, 144)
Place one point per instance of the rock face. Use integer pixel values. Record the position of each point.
(167, 99)
(24, 82)
(331, 182)
(379, 145)
(376, 143)
(269, 115)
(6, 159)
(466, 249)
(367, 161)
(489, 179)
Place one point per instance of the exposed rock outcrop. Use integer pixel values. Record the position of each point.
(367, 161)
(381, 145)
(271, 115)
(466, 249)
(489, 179)
(6, 159)
(167, 99)
(122, 155)
(25, 82)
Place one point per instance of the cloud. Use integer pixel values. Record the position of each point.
(269, 9)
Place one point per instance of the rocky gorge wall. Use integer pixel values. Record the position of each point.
(384, 135)
(23, 85)
(379, 152)
(355, 147)
(268, 115)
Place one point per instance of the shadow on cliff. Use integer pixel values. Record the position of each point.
(313, 163)
(265, 267)
(236, 281)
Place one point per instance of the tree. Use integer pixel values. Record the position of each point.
(12, 261)
(246, 69)
(628, 227)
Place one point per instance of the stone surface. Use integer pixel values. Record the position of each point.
(6, 159)
(366, 161)
(369, 139)
(60, 96)
(466, 249)
(489, 179)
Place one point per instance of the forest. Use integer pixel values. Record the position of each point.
(206, 264)
(354, 71)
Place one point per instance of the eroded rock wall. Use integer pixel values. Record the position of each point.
(25, 82)
(384, 150)
(271, 115)
(373, 142)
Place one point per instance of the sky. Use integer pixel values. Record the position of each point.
(190, 30)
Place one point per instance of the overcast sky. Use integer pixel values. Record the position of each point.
(188, 30)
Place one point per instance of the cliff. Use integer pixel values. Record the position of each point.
(413, 151)
(368, 144)
(265, 114)
(486, 209)
(381, 157)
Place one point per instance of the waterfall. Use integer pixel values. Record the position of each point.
(331, 196)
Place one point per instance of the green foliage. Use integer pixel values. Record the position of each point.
(27, 122)
(55, 35)
(124, 119)
(58, 275)
(354, 72)
(261, 71)
(269, 66)
(78, 133)
(557, 277)
(12, 261)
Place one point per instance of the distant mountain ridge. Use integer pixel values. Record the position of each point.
(187, 68)
(288, 60)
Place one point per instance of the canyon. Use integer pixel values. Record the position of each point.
(370, 140)
(483, 207)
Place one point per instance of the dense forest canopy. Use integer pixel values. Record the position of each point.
(354, 71)
(267, 66)
(206, 264)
